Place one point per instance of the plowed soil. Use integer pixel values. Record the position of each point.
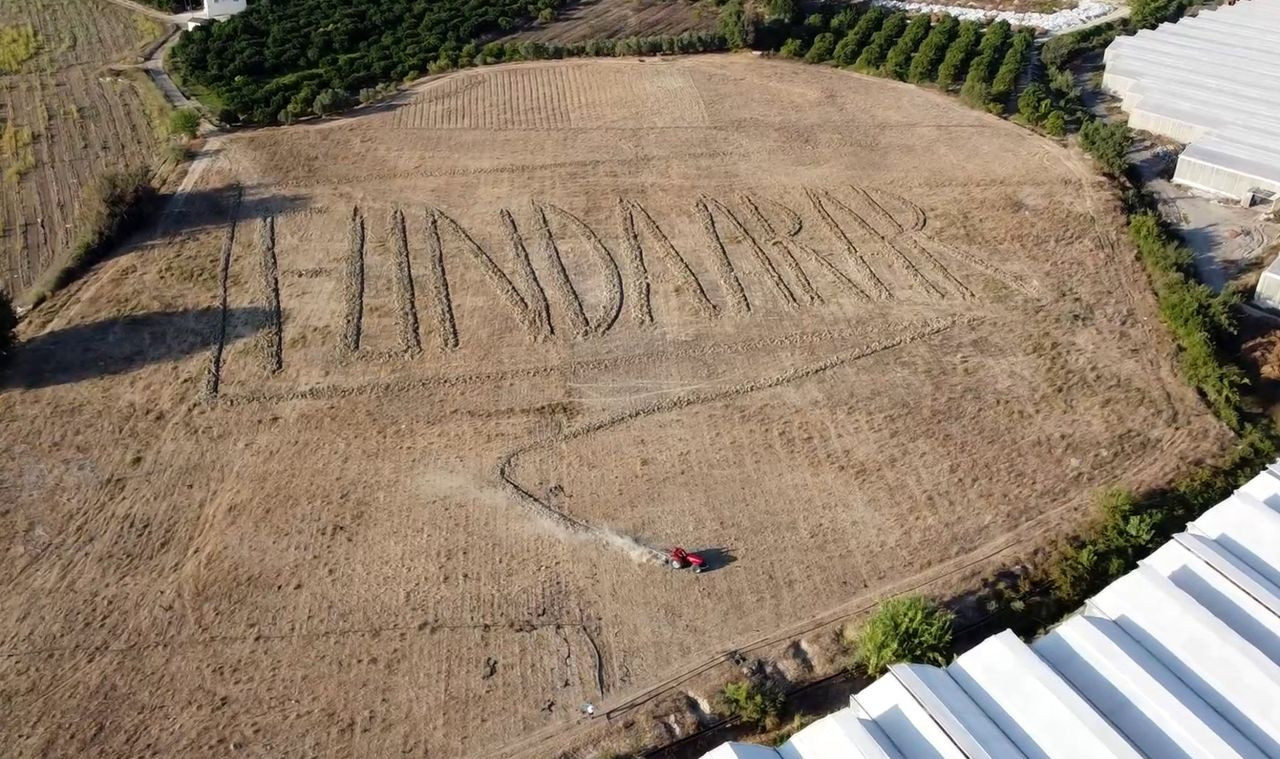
(359, 453)
(77, 119)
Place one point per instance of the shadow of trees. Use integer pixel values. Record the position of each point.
(196, 210)
(120, 345)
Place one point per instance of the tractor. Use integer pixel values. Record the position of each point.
(678, 558)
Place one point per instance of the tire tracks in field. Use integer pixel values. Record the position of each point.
(540, 508)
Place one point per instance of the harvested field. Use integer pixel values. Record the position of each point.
(76, 119)
(360, 452)
(585, 20)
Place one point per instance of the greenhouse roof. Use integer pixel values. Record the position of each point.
(1117, 679)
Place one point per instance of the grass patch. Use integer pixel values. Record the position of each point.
(112, 207)
(757, 703)
(18, 44)
(16, 155)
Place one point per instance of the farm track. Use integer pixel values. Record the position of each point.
(213, 375)
(272, 338)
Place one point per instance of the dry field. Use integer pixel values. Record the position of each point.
(583, 20)
(354, 456)
(70, 121)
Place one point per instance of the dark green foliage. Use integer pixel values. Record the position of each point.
(1055, 124)
(823, 46)
(757, 703)
(849, 48)
(784, 9)
(977, 83)
(736, 25)
(956, 61)
(898, 61)
(8, 322)
(1107, 143)
(911, 629)
(924, 66)
(877, 49)
(283, 53)
(1057, 51)
(329, 101)
(1146, 14)
(792, 48)
(815, 22)
(843, 21)
(1034, 104)
(1015, 58)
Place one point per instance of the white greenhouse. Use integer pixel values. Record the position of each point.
(1178, 658)
(1209, 81)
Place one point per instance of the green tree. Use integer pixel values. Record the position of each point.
(783, 9)
(330, 101)
(823, 46)
(898, 60)
(910, 629)
(924, 65)
(873, 55)
(1056, 124)
(792, 48)
(849, 48)
(184, 122)
(1107, 143)
(957, 58)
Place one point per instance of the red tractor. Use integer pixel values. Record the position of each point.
(679, 558)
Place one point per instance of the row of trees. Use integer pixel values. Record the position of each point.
(909, 48)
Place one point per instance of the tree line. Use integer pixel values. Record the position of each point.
(982, 61)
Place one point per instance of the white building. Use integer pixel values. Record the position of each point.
(1209, 81)
(216, 10)
(1178, 658)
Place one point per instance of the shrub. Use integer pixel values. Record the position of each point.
(792, 48)
(823, 46)
(1056, 124)
(898, 61)
(1107, 143)
(910, 629)
(850, 47)
(330, 101)
(184, 122)
(957, 58)
(784, 9)
(843, 21)
(8, 322)
(756, 703)
(924, 66)
(1034, 103)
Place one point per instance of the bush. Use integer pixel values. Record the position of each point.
(792, 48)
(843, 21)
(823, 46)
(924, 66)
(8, 322)
(330, 101)
(898, 61)
(1108, 144)
(756, 703)
(1056, 124)
(849, 48)
(783, 9)
(1034, 104)
(184, 122)
(908, 629)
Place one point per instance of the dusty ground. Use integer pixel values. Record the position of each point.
(282, 480)
(614, 19)
(74, 119)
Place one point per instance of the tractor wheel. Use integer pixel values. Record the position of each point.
(697, 568)
(675, 564)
